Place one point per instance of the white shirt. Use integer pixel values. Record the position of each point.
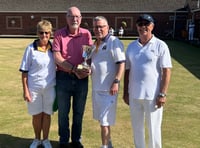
(121, 31)
(104, 65)
(40, 66)
(145, 64)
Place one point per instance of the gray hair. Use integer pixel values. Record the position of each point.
(73, 9)
(98, 18)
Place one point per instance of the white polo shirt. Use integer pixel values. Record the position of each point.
(145, 64)
(40, 66)
(104, 63)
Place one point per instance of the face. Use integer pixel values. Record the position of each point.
(44, 35)
(73, 18)
(100, 29)
(144, 28)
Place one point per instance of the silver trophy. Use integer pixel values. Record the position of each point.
(87, 53)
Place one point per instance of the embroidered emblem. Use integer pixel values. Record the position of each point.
(104, 47)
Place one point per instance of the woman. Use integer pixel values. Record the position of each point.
(38, 80)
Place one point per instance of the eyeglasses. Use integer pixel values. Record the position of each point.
(143, 24)
(72, 17)
(99, 27)
(46, 33)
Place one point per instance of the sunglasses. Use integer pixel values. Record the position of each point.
(143, 24)
(41, 33)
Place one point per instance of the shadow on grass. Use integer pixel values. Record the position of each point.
(9, 141)
(187, 55)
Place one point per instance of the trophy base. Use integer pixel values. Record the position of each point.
(81, 66)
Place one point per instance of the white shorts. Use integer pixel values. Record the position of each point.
(104, 107)
(42, 101)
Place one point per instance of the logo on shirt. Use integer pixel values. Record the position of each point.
(104, 47)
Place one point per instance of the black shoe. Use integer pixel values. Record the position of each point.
(76, 145)
(64, 146)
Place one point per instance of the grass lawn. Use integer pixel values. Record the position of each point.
(181, 121)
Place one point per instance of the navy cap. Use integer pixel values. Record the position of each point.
(145, 17)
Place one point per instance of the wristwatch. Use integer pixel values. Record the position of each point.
(116, 81)
(162, 95)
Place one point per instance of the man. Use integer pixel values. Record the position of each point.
(107, 64)
(67, 47)
(146, 82)
(191, 31)
(121, 31)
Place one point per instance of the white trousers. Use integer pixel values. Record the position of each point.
(144, 111)
(191, 34)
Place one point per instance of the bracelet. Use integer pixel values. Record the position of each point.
(116, 81)
(162, 95)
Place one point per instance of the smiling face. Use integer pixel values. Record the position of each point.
(100, 28)
(44, 35)
(144, 28)
(44, 30)
(73, 18)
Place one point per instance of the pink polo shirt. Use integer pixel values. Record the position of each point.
(71, 46)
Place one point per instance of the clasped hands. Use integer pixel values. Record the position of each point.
(81, 73)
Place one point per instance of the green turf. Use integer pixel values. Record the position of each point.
(181, 122)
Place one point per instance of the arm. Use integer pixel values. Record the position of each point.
(165, 80)
(26, 93)
(126, 83)
(115, 85)
(68, 67)
(166, 75)
(60, 61)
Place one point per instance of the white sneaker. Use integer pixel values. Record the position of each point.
(107, 146)
(46, 143)
(104, 146)
(35, 143)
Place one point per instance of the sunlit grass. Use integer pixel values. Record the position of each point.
(181, 122)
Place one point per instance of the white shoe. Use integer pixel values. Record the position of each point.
(35, 143)
(107, 146)
(46, 143)
(104, 146)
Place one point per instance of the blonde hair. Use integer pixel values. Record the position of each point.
(44, 25)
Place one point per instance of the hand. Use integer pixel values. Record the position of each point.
(160, 101)
(114, 88)
(27, 97)
(82, 73)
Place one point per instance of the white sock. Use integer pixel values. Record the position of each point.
(104, 146)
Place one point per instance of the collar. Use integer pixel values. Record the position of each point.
(36, 47)
(76, 35)
(105, 39)
(150, 41)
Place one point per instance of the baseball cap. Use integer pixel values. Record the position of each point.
(145, 17)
